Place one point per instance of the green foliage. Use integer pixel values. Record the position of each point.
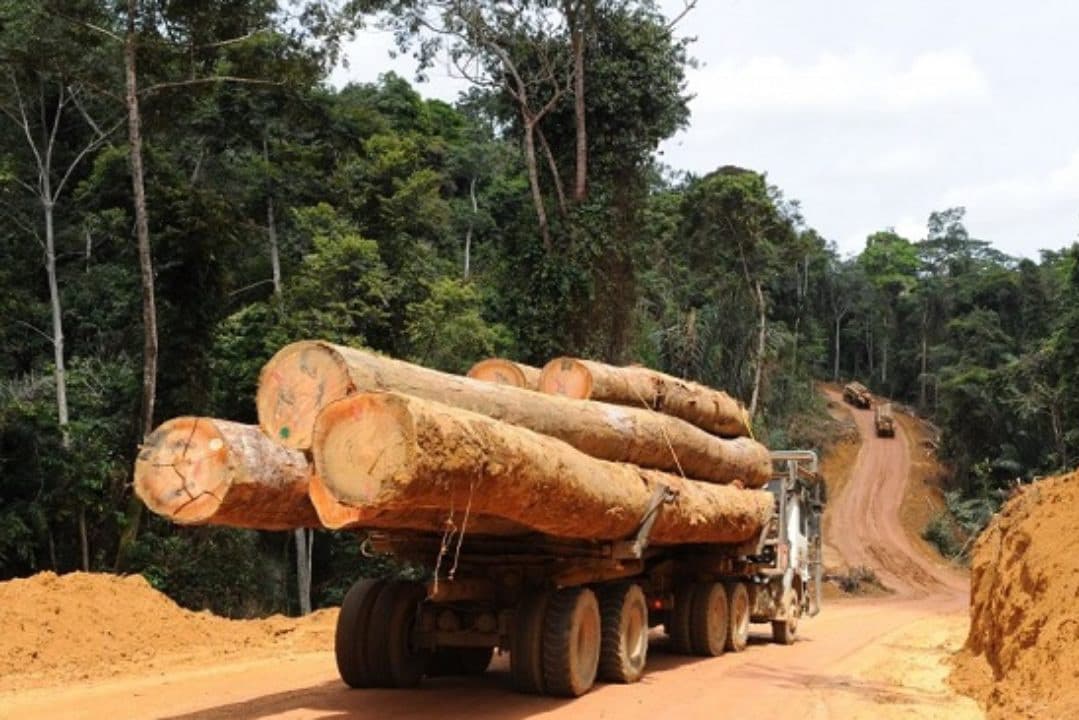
(447, 331)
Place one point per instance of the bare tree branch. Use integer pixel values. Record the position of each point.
(90, 147)
(206, 81)
(687, 6)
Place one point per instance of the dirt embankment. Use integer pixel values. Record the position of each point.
(84, 625)
(1021, 659)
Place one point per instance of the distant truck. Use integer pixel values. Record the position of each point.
(857, 395)
(884, 420)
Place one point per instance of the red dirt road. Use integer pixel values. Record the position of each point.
(866, 658)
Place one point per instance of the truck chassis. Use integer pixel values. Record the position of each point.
(572, 612)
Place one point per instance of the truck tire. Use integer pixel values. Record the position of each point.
(738, 609)
(681, 616)
(395, 662)
(624, 626)
(450, 661)
(526, 647)
(710, 620)
(571, 642)
(351, 641)
(785, 632)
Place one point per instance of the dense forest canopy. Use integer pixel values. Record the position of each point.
(183, 192)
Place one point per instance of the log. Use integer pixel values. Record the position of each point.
(304, 377)
(505, 372)
(335, 515)
(197, 470)
(382, 452)
(711, 410)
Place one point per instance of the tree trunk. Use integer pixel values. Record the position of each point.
(303, 568)
(271, 230)
(835, 362)
(199, 471)
(59, 371)
(142, 226)
(304, 378)
(762, 333)
(711, 410)
(578, 16)
(923, 396)
(471, 223)
(534, 183)
(84, 542)
(552, 166)
(506, 372)
(146, 270)
(391, 452)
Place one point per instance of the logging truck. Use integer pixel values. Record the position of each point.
(857, 395)
(571, 612)
(884, 420)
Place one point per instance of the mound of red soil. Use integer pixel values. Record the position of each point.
(59, 628)
(1021, 659)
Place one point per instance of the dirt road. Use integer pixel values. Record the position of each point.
(866, 658)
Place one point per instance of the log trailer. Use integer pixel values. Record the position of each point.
(857, 395)
(572, 612)
(884, 420)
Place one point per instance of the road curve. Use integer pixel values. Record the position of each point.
(859, 658)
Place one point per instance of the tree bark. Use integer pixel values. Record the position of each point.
(198, 471)
(923, 398)
(59, 371)
(552, 166)
(534, 183)
(271, 230)
(84, 542)
(471, 223)
(762, 334)
(835, 362)
(305, 377)
(146, 270)
(506, 372)
(391, 452)
(304, 538)
(711, 410)
(578, 15)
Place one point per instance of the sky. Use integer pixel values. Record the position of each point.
(873, 114)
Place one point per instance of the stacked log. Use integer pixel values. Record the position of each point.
(505, 372)
(711, 410)
(197, 470)
(352, 439)
(386, 453)
(304, 378)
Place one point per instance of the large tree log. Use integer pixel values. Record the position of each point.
(712, 410)
(505, 372)
(304, 377)
(197, 470)
(336, 515)
(384, 452)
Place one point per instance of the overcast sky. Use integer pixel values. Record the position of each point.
(873, 114)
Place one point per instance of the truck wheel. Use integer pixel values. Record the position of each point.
(785, 632)
(571, 640)
(448, 661)
(680, 620)
(526, 648)
(711, 620)
(624, 625)
(351, 640)
(738, 607)
(395, 662)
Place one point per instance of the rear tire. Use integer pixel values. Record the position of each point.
(738, 609)
(711, 620)
(351, 642)
(785, 632)
(624, 625)
(571, 642)
(526, 650)
(681, 616)
(395, 662)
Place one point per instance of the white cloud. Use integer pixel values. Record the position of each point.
(856, 81)
(1023, 193)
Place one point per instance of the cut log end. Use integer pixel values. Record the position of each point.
(366, 439)
(297, 382)
(499, 371)
(568, 377)
(183, 471)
